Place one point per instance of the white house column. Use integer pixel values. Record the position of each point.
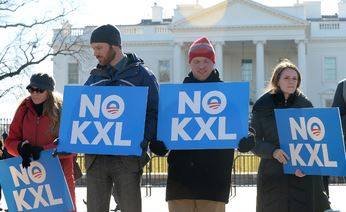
(219, 57)
(302, 63)
(259, 67)
(177, 70)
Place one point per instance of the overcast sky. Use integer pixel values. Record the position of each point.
(97, 12)
(119, 12)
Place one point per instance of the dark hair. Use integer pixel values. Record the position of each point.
(283, 64)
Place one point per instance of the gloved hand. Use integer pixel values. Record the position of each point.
(144, 145)
(246, 143)
(56, 153)
(158, 147)
(36, 151)
(24, 150)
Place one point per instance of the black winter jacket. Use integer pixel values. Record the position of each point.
(134, 73)
(200, 174)
(277, 191)
(340, 102)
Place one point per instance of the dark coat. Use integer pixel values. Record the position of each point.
(200, 174)
(134, 73)
(340, 102)
(277, 191)
(5, 154)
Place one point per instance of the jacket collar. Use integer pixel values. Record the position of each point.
(280, 101)
(213, 77)
(108, 71)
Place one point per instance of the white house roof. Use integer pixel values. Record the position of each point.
(238, 13)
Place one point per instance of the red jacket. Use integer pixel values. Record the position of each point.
(27, 125)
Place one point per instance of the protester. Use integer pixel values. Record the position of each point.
(116, 200)
(277, 191)
(3, 155)
(116, 68)
(340, 102)
(35, 126)
(199, 180)
(3, 151)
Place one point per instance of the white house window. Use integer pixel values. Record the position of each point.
(73, 77)
(164, 71)
(329, 69)
(246, 69)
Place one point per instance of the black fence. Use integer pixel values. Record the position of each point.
(4, 126)
(244, 173)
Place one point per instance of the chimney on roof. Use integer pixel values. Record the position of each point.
(156, 13)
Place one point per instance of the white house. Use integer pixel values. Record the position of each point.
(249, 39)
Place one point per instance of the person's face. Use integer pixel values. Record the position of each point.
(37, 95)
(103, 52)
(201, 67)
(288, 81)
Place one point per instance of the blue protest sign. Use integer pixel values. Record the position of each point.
(313, 140)
(103, 120)
(40, 187)
(203, 115)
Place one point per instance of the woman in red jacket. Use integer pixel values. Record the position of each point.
(36, 125)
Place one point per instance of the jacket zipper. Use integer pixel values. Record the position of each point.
(37, 122)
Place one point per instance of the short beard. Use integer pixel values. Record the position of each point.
(110, 56)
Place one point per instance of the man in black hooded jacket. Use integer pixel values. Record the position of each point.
(116, 68)
(199, 180)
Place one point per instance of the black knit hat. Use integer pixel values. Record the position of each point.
(42, 81)
(106, 34)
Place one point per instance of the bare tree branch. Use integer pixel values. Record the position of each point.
(35, 23)
(28, 46)
(7, 90)
(10, 8)
(63, 49)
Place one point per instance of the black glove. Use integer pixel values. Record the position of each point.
(36, 151)
(24, 150)
(56, 153)
(158, 147)
(247, 143)
(144, 145)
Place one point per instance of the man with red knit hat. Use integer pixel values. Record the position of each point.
(199, 180)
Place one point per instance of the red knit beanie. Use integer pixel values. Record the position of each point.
(202, 48)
